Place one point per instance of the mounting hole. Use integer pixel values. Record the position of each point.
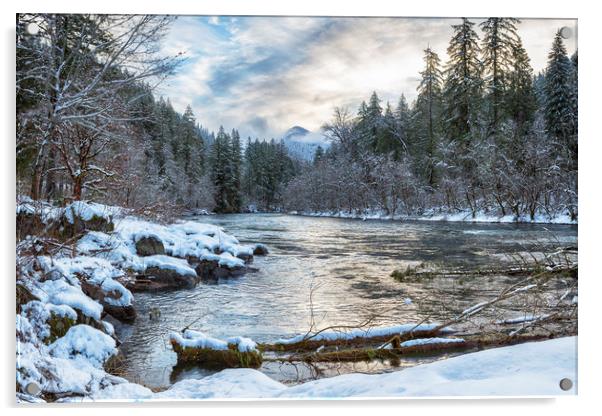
(32, 29)
(566, 32)
(33, 389)
(566, 384)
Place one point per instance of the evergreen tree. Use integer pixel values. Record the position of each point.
(521, 101)
(575, 86)
(560, 114)
(539, 89)
(221, 171)
(387, 139)
(370, 124)
(499, 44)
(463, 86)
(402, 127)
(268, 168)
(427, 113)
(318, 155)
(234, 197)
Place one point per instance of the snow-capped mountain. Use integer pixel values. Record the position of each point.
(302, 143)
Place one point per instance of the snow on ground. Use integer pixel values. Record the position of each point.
(530, 369)
(83, 210)
(427, 341)
(336, 335)
(243, 344)
(180, 266)
(89, 210)
(197, 339)
(73, 363)
(182, 239)
(59, 292)
(38, 313)
(524, 318)
(68, 366)
(223, 259)
(85, 341)
(66, 288)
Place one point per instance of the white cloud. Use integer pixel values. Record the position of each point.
(265, 74)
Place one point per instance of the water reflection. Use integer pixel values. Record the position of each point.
(351, 260)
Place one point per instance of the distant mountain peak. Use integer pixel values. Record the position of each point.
(302, 144)
(295, 132)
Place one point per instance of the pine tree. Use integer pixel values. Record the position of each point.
(370, 123)
(403, 116)
(234, 197)
(499, 43)
(428, 111)
(387, 142)
(463, 83)
(318, 155)
(520, 98)
(221, 172)
(560, 111)
(575, 86)
(539, 89)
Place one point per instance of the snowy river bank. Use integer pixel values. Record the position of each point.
(348, 261)
(530, 369)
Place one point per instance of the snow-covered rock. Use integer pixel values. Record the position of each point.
(149, 246)
(62, 341)
(85, 277)
(85, 341)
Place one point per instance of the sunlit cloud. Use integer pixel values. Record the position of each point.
(263, 75)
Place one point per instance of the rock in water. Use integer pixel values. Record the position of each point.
(110, 301)
(209, 270)
(170, 278)
(260, 250)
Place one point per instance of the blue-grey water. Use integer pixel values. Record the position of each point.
(346, 265)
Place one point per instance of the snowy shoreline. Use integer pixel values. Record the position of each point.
(64, 345)
(66, 291)
(463, 216)
(523, 370)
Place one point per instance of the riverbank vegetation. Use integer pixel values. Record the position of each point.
(485, 135)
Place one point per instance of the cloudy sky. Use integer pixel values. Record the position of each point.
(264, 75)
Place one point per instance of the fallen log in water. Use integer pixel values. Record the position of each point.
(417, 273)
(355, 338)
(368, 353)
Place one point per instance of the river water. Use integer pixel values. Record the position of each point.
(346, 265)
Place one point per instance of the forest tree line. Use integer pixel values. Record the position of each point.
(90, 127)
(484, 133)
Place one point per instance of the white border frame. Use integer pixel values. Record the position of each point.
(589, 229)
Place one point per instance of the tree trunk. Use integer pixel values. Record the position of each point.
(77, 188)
